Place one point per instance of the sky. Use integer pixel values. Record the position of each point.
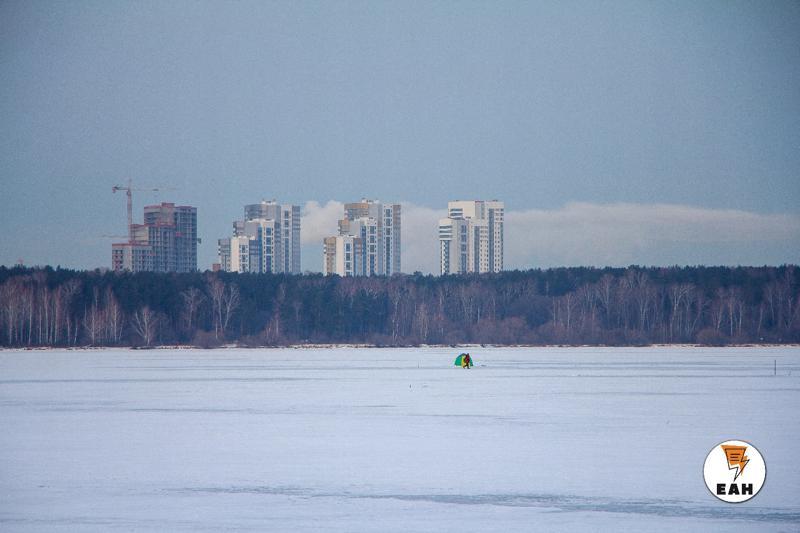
(616, 133)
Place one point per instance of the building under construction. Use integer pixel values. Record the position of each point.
(166, 242)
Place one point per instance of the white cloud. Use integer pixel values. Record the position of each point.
(595, 234)
(320, 221)
(420, 245)
(651, 234)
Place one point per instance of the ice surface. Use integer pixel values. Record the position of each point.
(347, 439)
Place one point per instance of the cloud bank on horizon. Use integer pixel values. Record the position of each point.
(592, 234)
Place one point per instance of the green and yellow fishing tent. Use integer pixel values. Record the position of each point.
(460, 360)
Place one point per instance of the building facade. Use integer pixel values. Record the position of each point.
(471, 237)
(272, 235)
(290, 234)
(372, 231)
(453, 247)
(134, 257)
(166, 242)
(343, 255)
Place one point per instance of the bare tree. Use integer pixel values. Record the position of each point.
(145, 324)
(700, 309)
(605, 293)
(786, 311)
(93, 319)
(644, 296)
(9, 300)
(588, 300)
(71, 289)
(718, 309)
(225, 300)
(568, 301)
(192, 299)
(396, 294)
(114, 318)
(42, 302)
(27, 300)
(421, 323)
(678, 293)
(734, 304)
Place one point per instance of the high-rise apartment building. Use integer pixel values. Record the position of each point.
(242, 254)
(471, 237)
(224, 247)
(166, 242)
(266, 241)
(453, 247)
(290, 235)
(131, 256)
(370, 234)
(343, 255)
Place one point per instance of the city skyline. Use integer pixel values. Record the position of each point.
(625, 234)
(617, 234)
(646, 133)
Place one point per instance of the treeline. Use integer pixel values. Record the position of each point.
(618, 306)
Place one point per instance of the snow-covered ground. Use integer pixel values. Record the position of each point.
(393, 440)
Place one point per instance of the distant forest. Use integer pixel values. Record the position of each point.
(612, 306)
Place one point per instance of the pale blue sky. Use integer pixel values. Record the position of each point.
(540, 104)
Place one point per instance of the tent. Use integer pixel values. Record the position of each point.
(460, 360)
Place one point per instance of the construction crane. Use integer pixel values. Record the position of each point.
(129, 193)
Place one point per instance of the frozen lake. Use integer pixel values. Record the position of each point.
(392, 440)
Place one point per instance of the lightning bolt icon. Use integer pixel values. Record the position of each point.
(737, 460)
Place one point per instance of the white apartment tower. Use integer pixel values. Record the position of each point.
(471, 237)
(239, 255)
(453, 247)
(342, 255)
(288, 217)
(370, 232)
(266, 241)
